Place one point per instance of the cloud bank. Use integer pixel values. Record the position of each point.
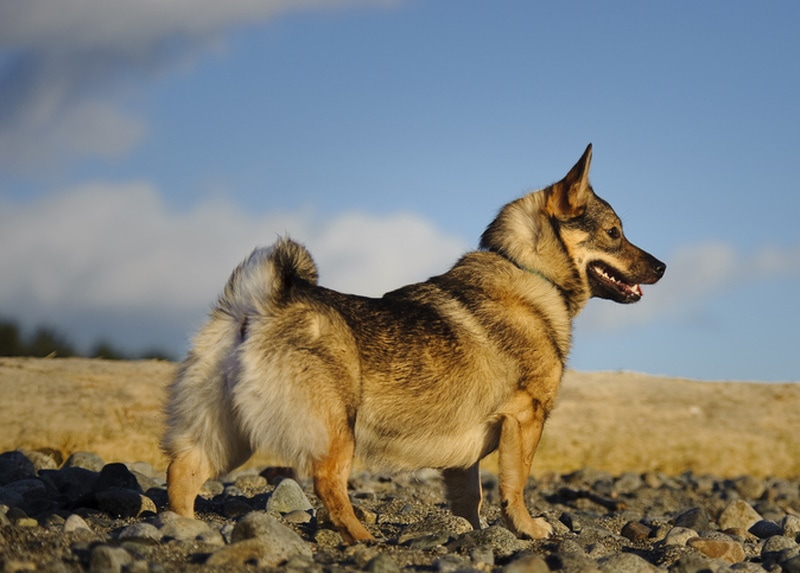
(68, 64)
(118, 255)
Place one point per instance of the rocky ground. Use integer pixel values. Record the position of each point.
(689, 477)
(84, 515)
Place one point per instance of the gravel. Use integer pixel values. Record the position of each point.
(86, 515)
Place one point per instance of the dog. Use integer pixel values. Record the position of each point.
(432, 375)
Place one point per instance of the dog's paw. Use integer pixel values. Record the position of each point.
(532, 528)
(540, 529)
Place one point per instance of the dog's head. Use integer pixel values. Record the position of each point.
(590, 230)
(573, 238)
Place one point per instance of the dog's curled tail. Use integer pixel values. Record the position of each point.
(265, 277)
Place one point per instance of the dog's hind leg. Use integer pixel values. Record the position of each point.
(463, 487)
(519, 436)
(330, 484)
(186, 474)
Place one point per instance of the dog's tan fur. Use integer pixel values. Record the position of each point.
(436, 374)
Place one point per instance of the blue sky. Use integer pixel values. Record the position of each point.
(145, 150)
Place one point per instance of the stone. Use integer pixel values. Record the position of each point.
(41, 460)
(679, 536)
(182, 528)
(86, 460)
(259, 552)
(765, 529)
(778, 545)
(636, 531)
(383, 563)
(791, 565)
(626, 563)
(261, 525)
(502, 541)
(287, 497)
(729, 551)
(107, 559)
(75, 522)
(73, 482)
(527, 564)
(738, 514)
(122, 502)
(116, 475)
(791, 526)
(695, 518)
(28, 488)
(15, 466)
(141, 532)
(749, 487)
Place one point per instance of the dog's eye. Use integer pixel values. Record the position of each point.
(613, 232)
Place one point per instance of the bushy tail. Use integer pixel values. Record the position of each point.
(265, 277)
(196, 418)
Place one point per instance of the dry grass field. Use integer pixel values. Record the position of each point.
(610, 421)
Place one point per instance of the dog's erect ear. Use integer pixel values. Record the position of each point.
(568, 198)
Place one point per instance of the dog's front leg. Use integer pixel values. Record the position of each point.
(463, 487)
(519, 435)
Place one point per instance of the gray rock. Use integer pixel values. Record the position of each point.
(502, 541)
(75, 523)
(287, 497)
(697, 563)
(107, 559)
(679, 536)
(749, 487)
(41, 460)
(779, 548)
(628, 483)
(626, 563)
(86, 460)
(791, 565)
(141, 533)
(261, 525)
(383, 563)
(181, 528)
(695, 518)
(451, 564)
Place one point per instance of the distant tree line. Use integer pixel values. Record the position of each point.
(47, 341)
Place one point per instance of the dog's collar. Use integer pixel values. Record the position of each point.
(538, 273)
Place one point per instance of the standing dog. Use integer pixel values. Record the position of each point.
(436, 374)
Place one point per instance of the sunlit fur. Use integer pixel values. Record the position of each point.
(436, 374)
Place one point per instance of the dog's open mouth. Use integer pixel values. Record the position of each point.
(607, 282)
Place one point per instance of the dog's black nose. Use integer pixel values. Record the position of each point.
(659, 268)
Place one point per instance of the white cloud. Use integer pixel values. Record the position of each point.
(65, 61)
(694, 274)
(116, 250)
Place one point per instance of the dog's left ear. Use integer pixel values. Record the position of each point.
(568, 198)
